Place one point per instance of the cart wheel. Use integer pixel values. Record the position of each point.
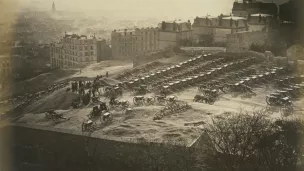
(83, 127)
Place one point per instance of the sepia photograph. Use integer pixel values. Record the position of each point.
(151, 85)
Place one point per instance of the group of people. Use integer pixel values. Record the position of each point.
(93, 86)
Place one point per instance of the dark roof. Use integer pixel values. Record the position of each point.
(267, 8)
(291, 11)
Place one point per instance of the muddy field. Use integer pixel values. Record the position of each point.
(182, 126)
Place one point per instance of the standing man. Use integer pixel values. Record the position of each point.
(107, 74)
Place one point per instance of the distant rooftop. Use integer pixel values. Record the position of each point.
(125, 30)
(177, 21)
(75, 36)
(207, 16)
(234, 18)
(262, 15)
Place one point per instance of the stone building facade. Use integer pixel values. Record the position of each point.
(245, 8)
(260, 22)
(228, 25)
(73, 51)
(241, 41)
(202, 27)
(175, 33)
(128, 43)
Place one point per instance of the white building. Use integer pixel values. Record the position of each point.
(74, 51)
(131, 42)
(259, 22)
(203, 26)
(228, 25)
(174, 33)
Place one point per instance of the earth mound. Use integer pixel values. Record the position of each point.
(59, 100)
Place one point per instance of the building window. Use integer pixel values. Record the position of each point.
(91, 47)
(92, 53)
(86, 53)
(85, 48)
(80, 47)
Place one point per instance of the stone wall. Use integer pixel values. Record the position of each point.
(240, 42)
(167, 40)
(37, 149)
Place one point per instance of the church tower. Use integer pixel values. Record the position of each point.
(53, 7)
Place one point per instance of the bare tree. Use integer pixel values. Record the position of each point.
(247, 141)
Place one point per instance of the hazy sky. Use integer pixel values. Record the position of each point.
(140, 8)
(143, 8)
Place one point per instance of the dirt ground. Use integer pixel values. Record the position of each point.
(141, 125)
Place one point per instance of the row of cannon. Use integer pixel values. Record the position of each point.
(290, 88)
(21, 102)
(191, 81)
(172, 108)
(246, 79)
(138, 86)
(163, 73)
(138, 70)
(182, 70)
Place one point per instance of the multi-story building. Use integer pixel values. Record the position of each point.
(248, 7)
(260, 22)
(128, 43)
(74, 51)
(203, 27)
(175, 33)
(5, 70)
(228, 25)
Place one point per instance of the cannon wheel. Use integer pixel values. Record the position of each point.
(48, 115)
(267, 100)
(83, 127)
(149, 103)
(128, 103)
(135, 102)
(210, 101)
(161, 102)
(226, 88)
(109, 120)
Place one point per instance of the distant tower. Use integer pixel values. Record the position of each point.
(53, 7)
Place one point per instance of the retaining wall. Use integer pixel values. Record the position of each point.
(35, 149)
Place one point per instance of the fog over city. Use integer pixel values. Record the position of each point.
(137, 9)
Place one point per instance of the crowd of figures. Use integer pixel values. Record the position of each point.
(88, 91)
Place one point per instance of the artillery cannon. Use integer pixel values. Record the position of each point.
(149, 101)
(138, 100)
(204, 99)
(143, 89)
(277, 101)
(106, 118)
(160, 99)
(87, 126)
(52, 115)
